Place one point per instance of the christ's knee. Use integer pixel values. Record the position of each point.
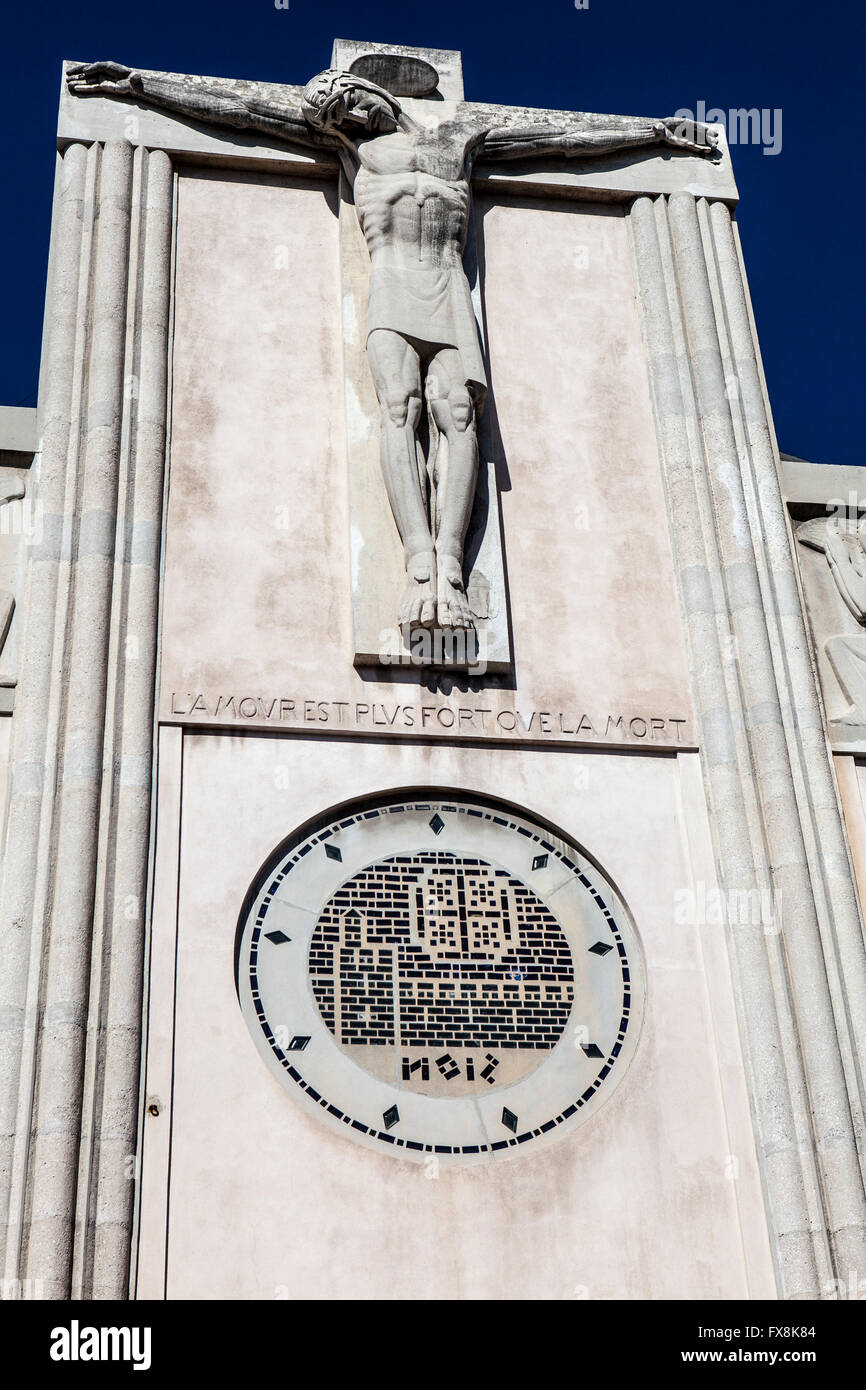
(454, 411)
(401, 407)
(460, 406)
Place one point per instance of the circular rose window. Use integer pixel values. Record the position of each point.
(440, 976)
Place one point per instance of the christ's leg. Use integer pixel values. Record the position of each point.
(454, 413)
(397, 378)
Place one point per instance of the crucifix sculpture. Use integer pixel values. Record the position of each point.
(412, 190)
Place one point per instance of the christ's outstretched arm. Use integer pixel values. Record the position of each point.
(535, 142)
(197, 101)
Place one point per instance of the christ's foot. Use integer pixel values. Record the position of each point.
(453, 606)
(418, 604)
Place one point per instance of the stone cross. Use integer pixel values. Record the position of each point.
(411, 178)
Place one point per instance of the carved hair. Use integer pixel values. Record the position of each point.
(323, 100)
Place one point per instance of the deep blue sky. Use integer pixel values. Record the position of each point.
(802, 211)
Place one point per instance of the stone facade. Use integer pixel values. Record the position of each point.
(194, 689)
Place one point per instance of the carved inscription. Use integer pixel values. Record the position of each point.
(382, 716)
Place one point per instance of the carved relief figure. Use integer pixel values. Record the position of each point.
(843, 542)
(12, 489)
(412, 189)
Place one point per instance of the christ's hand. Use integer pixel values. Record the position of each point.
(103, 79)
(688, 135)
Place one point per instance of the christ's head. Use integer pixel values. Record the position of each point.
(341, 101)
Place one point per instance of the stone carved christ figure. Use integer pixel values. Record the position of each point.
(412, 195)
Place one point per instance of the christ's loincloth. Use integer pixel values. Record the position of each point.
(431, 303)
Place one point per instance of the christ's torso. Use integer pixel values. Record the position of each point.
(412, 200)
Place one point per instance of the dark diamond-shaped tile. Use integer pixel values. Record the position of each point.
(332, 852)
(540, 861)
(391, 1117)
(437, 824)
(298, 1043)
(592, 1049)
(279, 938)
(601, 948)
(509, 1119)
